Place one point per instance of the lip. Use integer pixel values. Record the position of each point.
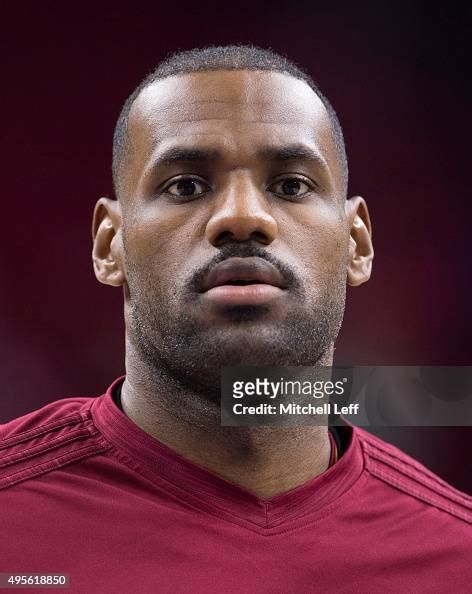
(264, 282)
(253, 270)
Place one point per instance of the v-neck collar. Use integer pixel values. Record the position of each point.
(200, 487)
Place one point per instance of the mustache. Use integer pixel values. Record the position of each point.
(243, 250)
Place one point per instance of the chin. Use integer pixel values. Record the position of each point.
(259, 350)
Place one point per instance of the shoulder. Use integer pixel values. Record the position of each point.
(399, 471)
(57, 434)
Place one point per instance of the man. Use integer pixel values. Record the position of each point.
(233, 239)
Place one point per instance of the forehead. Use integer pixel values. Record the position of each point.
(235, 111)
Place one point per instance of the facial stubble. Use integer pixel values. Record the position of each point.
(187, 355)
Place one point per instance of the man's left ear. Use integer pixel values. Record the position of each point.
(361, 250)
(107, 253)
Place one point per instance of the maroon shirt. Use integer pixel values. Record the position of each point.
(84, 491)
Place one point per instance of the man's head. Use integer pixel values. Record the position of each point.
(228, 175)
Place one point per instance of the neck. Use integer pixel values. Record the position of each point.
(266, 461)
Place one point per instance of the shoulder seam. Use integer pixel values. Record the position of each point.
(36, 431)
(439, 486)
(50, 445)
(391, 480)
(454, 502)
(374, 444)
(54, 463)
(30, 452)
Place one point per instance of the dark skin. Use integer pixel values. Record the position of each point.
(229, 164)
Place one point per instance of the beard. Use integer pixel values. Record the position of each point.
(188, 353)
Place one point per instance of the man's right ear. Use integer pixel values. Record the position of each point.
(107, 253)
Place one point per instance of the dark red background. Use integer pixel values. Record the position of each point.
(397, 76)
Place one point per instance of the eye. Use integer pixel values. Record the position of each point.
(290, 187)
(187, 187)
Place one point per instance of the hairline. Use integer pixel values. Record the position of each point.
(154, 77)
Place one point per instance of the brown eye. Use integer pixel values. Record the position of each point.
(187, 187)
(292, 186)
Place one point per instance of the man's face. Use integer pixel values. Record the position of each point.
(227, 165)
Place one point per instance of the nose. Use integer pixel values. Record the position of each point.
(241, 213)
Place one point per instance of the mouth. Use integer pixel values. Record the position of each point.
(243, 281)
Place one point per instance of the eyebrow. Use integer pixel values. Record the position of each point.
(292, 152)
(281, 154)
(179, 154)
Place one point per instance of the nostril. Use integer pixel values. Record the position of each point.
(260, 237)
(225, 228)
(224, 237)
(229, 236)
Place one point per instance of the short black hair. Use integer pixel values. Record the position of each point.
(226, 57)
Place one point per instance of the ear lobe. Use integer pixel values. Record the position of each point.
(361, 250)
(107, 253)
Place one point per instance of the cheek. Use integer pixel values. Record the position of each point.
(318, 240)
(157, 248)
